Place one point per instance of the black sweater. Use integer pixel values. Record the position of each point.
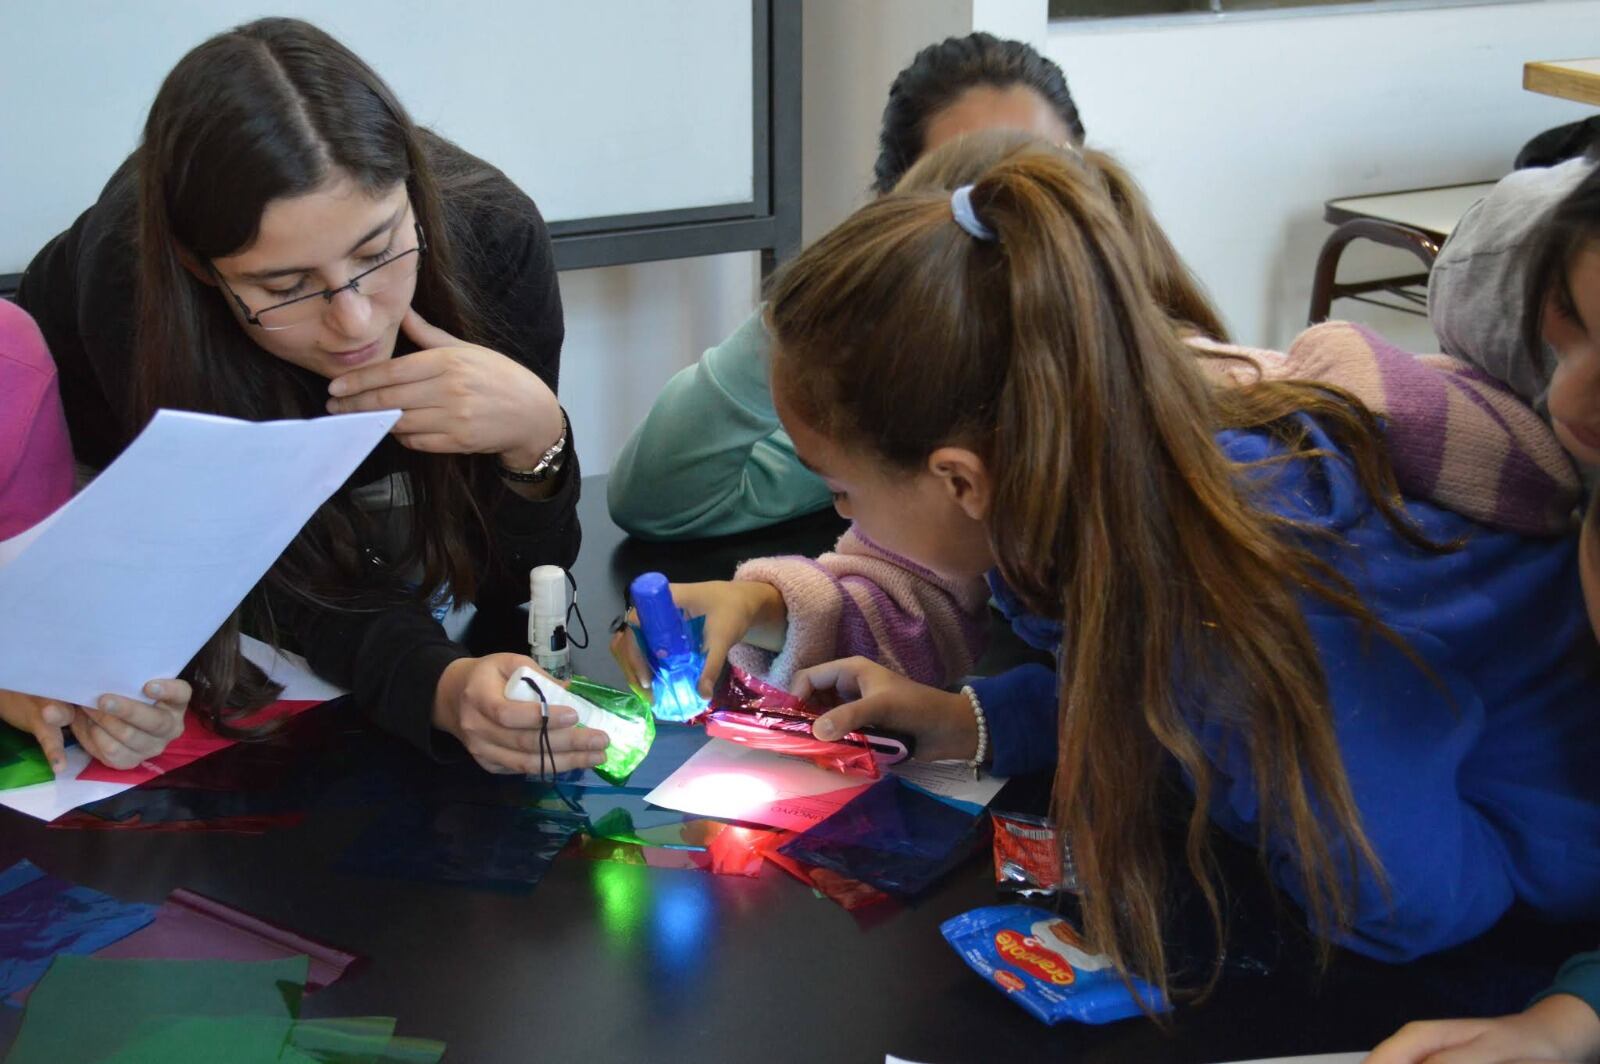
(81, 288)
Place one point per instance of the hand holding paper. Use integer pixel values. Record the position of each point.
(117, 732)
(124, 732)
(115, 588)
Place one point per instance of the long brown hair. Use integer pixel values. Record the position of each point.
(265, 111)
(1048, 354)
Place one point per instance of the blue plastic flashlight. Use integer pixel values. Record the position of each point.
(674, 653)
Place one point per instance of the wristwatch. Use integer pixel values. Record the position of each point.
(549, 463)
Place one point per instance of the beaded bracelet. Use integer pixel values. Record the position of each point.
(983, 731)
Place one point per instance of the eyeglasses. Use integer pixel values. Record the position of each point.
(302, 309)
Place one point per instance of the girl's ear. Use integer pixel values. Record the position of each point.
(200, 271)
(964, 478)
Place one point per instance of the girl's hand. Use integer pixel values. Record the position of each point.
(942, 722)
(502, 735)
(736, 611)
(457, 398)
(40, 718)
(1561, 1027)
(124, 732)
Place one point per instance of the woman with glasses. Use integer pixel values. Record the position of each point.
(285, 243)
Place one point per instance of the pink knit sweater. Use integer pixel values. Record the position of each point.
(861, 599)
(35, 455)
(1458, 439)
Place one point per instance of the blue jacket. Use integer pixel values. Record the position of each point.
(1478, 787)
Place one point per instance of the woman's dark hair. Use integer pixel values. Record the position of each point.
(269, 110)
(1564, 231)
(942, 72)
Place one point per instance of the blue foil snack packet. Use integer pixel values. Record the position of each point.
(1037, 960)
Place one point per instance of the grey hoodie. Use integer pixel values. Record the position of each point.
(1475, 293)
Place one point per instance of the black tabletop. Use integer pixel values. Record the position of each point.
(607, 961)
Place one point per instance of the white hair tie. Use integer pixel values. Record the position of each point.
(967, 218)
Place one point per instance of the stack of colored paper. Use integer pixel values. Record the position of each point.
(173, 1012)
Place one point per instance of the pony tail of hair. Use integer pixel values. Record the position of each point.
(1122, 516)
(1089, 531)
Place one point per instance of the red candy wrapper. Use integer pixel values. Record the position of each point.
(1027, 858)
(755, 713)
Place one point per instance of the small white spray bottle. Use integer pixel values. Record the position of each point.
(547, 621)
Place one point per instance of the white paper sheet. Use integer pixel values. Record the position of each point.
(67, 792)
(134, 574)
(730, 781)
(733, 782)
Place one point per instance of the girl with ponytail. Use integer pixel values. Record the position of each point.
(1249, 618)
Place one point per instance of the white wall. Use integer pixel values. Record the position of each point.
(1239, 130)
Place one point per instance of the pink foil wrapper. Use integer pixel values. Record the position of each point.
(754, 713)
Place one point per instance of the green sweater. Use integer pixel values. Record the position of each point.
(711, 459)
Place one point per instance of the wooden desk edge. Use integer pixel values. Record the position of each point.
(1555, 79)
